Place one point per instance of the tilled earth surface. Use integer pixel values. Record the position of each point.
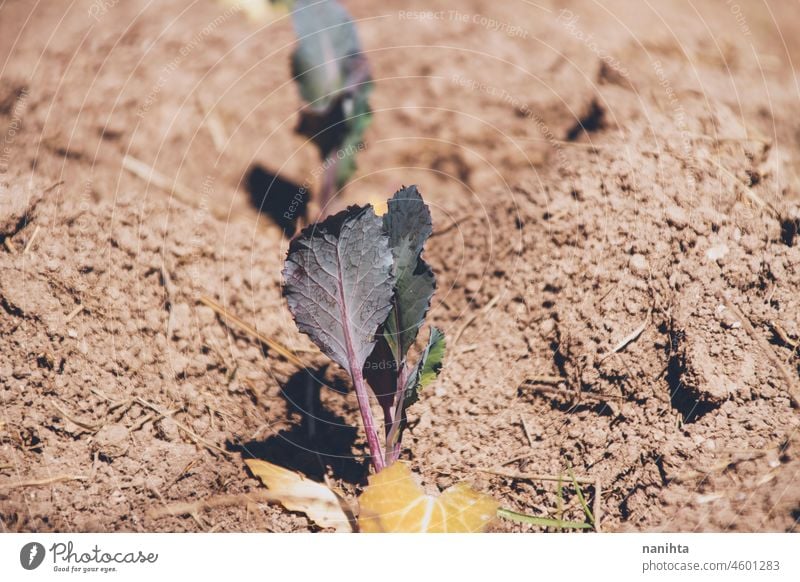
(616, 201)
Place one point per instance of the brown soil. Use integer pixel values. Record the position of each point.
(618, 211)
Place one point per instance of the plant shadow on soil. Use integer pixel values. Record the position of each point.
(281, 200)
(321, 439)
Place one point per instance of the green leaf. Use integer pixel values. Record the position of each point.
(541, 521)
(427, 369)
(408, 224)
(358, 118)
(581, 498)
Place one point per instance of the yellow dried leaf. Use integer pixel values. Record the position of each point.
(297, 492)
(393, 502)
(258, 11)
(381, 205)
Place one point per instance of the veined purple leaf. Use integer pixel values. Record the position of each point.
(339, 284)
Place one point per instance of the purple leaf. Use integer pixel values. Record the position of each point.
(339, 284)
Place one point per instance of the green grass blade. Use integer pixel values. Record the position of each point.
(560, 499)
(581, 498)
(541, 521)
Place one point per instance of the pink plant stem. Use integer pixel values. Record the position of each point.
(393, 447)
(357, 374)
(395, 452)
(369, 422)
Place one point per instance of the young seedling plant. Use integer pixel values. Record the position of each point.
(357, 285)
(333, 77)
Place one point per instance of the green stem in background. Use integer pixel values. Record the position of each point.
(326, 190)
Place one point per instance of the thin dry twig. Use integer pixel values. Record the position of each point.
(535, 476)
(791, 385)
(214, 125)
(53, 186)
(631, 337)
(489, 306)
(121, 406)
(549, 380)
(456, 223)
(527, 454)
(72, 314)
(703, 472)
(525, 429)
(597, 505)
(150, 175)
(194, 515)
(193, 508)
(469, 348)
(42, 482)
(723, 138)
(143, 420)
(29, 244)
(230, 318)
(748, 193)
(783, 335)
(77, 422)
(182, 472)
(95, 461)
(568, 394)
(196, 437)
(166, 282)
